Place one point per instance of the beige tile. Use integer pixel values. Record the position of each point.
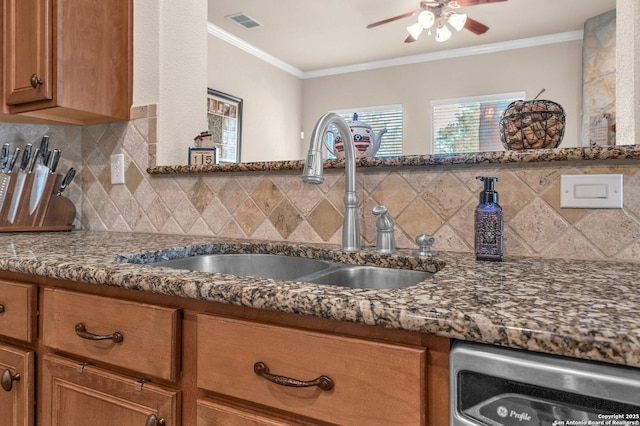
(610, 230)
(540, 178)
(232, 195)
(133, 177)
(446, 195)
(139, 112)
(184, 213)
(105, 179)
(216, 215)
(200, 195)
(266, 195)
(285, 218)
(158, 213)
(552, 197)
(448, 239)
(249, 217)
(395, 193)
(419, 218)
(513, 194)
(325, 220)
(571, 244)
(305, 197)
(108, 143)
(538, 225)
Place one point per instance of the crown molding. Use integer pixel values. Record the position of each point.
(406, 60)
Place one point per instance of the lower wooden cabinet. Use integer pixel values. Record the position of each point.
(211, 413)
(75, 394)
(334, 379)
(107, 357)
(18, 387)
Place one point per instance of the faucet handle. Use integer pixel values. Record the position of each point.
(424, 242)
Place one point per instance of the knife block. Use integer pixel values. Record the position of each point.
(53, 212)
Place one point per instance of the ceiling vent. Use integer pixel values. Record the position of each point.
(245, 20)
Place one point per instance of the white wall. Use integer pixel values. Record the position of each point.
(170, 70)
(555, 67)
(272, 102)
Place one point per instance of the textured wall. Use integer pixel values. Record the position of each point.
(599, 72)
(278, 206)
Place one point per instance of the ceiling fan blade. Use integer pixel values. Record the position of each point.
(475, 26)
(463, 3)
(395, 18)
(409, 39)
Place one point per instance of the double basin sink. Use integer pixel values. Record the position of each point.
(299, 269)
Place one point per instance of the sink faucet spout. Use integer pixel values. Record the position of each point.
(313, 174)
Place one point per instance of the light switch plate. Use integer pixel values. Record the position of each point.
(117, 169)
(591, 191)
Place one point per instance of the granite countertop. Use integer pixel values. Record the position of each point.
(584, 309)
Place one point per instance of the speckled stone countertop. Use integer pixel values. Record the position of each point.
(584, 309)
(619, 152)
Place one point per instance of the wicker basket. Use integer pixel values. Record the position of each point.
(532, 125)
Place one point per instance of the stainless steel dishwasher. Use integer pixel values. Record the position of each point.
(502, 387)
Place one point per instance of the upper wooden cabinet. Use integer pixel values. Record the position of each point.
(68, 61)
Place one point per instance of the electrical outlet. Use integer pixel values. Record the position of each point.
(117, 169)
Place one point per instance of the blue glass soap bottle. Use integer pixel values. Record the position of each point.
(489, 223)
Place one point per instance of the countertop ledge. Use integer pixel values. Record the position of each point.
(582, 309)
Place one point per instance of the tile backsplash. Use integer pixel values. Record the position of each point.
(277, 205)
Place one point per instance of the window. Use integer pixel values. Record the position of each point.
(379, 117)
(469, 124)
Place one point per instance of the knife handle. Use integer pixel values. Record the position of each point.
(71, 173)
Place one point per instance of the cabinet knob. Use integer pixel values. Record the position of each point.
(1, 309)
(8, 379)
(35, 81)
(153, 420)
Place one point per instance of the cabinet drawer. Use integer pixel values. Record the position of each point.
(97, 397)
(149, 333)
(17, 310)
(373, 382)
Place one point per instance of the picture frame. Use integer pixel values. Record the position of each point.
(203, 156)
(224, 122)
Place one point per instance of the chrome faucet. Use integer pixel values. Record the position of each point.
(385, 239)
(313, 174)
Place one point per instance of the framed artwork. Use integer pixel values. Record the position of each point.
(203, 156)
(224, 122)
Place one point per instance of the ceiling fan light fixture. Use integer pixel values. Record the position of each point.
(415, 30)
(457, 20)
(426, 19)
(443, 33)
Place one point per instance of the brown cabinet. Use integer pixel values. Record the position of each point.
(143, 359)
(68, 61)
(136, 336)
(18, 386)
(75, 394)
(334, 379)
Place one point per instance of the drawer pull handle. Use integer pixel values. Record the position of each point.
(153, 420)
(8, 379)
(81, 331)
(323, 382)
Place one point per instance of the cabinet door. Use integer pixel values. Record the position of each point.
(74, 394)
(27, 26)
(17, 391)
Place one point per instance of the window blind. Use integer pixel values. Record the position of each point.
(469, 124)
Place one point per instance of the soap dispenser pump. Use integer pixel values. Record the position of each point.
(489, 223)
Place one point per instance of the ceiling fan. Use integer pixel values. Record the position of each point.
(439, 13)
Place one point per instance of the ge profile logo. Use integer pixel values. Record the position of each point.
(502, 411)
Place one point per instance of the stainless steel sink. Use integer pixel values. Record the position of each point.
(249, 265)
(368, 277)
(300, 269)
